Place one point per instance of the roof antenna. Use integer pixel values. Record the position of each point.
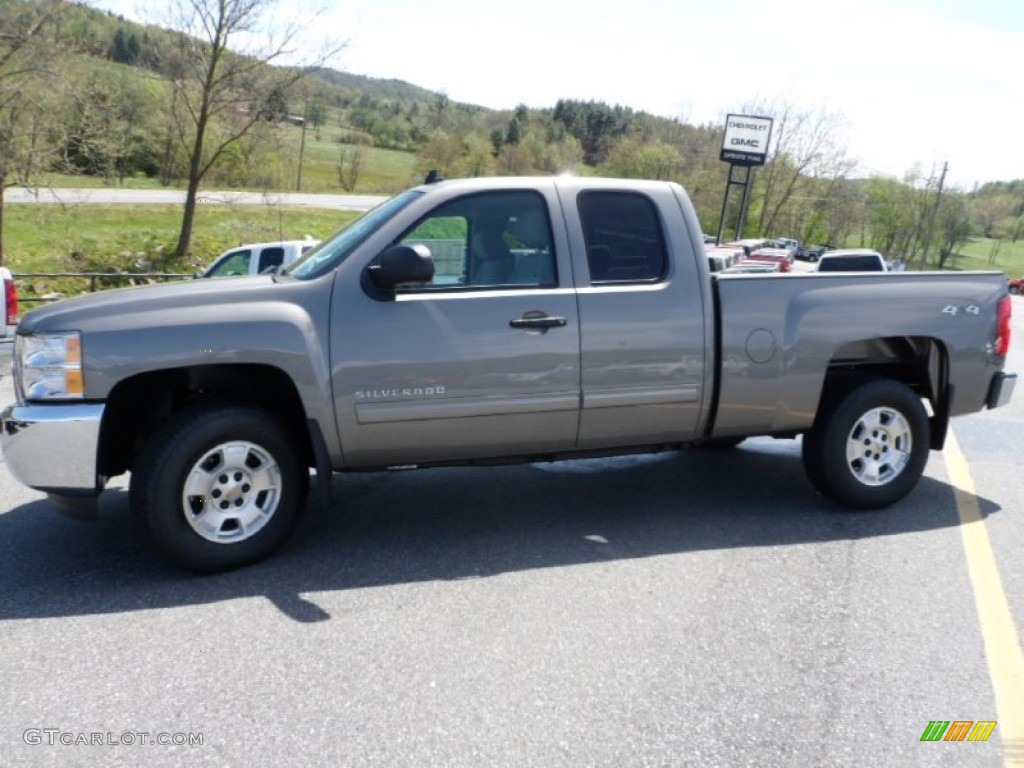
(433, 177)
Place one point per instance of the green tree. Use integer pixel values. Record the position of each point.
(514, 132)
(124, 49)
(273, 107)
(632, 157)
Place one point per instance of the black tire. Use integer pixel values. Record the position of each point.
(1014, 290)
(223, 452)
(891, 423)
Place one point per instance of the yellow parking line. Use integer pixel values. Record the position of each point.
(1002, 643)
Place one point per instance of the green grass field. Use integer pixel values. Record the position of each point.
(384, 171)
(42, 238)
(987, 254)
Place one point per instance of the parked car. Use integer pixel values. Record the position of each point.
(783, 244)
(257, 258)
(780, 256)
(749, 266)
(1017, 286)
(749, 245)
(852, 260)
(8, 304)
(811, 253)
(720, 259)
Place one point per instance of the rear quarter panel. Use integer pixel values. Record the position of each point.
(779, 334)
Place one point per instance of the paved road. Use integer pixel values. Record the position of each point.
(18, 195)
(676, 610)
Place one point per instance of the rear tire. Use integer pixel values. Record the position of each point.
(1014, 290)
(219, 486)
(869, 444)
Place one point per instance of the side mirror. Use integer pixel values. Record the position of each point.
(400, 264)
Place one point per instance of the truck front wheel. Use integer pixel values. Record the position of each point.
(219, 486)
(869, 444)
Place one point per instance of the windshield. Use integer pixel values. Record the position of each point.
(338, 246)
(231, 265)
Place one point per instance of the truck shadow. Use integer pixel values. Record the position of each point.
(453, 524)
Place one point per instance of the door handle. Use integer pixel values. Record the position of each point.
(538, 322)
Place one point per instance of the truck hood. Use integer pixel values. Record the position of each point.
(124, 307)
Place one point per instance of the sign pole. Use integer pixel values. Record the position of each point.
(744, 201)
(744, 145)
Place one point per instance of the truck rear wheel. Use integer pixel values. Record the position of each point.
(869, 444)
(219, 486)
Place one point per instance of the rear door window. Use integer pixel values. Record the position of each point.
(623, 235)
(271, 257)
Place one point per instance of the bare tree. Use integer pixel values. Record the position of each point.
(350, 162)
(216, 86)
(806, 146)
(24, 60)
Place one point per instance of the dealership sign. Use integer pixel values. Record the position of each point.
(746, 139)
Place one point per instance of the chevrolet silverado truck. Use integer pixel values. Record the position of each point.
(488, 321)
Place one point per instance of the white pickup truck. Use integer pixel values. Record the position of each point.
(8, 304)
(257, 258)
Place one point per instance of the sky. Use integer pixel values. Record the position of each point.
(915, 83)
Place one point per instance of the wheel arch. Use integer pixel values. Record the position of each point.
(919, 362)
(138, 405)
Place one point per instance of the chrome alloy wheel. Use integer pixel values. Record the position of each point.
(879, 446)
(231, 492)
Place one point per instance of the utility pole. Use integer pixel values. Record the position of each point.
(302, 144)
(935, 213)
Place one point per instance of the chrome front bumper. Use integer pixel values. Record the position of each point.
(53, 448)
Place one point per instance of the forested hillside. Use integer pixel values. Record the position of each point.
(88, 94)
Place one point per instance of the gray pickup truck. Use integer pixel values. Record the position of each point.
(483, 321)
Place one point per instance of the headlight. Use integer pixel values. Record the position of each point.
(49, 366)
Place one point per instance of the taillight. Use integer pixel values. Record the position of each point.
(1003, 311)
(11, 302)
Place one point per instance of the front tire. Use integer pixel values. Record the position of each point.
(219, 486)
(869, 444)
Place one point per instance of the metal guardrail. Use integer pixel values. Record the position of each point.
(94, 278)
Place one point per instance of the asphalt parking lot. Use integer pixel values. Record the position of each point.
(681, 609)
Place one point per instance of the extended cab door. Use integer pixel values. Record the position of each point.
(645, 313)
(483, 361)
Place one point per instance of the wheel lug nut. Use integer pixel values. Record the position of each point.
(216, 493)
(224, 505)
(238, 502)
(238, 476)
(246, 488)
(222, 479)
